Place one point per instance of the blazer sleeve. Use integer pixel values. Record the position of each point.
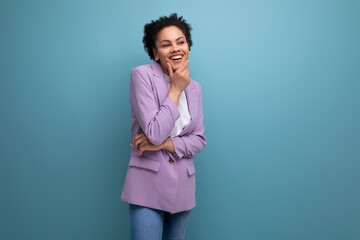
(156, 122)
(192, 143)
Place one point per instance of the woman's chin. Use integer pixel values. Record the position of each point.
(176, 65)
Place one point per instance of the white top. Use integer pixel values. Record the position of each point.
(185, 117)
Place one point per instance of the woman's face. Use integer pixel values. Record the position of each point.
(171, 47)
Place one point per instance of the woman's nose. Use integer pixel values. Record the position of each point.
(175, 48)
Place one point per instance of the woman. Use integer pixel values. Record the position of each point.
(167, 128)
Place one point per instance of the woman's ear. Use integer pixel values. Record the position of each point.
(156, 55)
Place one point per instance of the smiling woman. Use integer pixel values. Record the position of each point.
(172, 52)
(167, 128)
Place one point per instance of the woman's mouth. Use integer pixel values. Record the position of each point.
(176, 58)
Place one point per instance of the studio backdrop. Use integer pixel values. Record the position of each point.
(281, 96)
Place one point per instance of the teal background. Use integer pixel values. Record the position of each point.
(281, 96)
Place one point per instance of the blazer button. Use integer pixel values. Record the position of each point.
(171, 161)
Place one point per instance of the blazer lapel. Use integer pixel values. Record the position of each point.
(160, 83)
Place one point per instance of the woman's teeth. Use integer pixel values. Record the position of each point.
(177, 57)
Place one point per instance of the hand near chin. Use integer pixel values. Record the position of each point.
(141, 143)
(180, 78)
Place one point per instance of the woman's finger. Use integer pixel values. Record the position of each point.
(138, 141)
(135, 138)
(170, 70)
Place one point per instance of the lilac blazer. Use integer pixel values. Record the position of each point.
(161, 179)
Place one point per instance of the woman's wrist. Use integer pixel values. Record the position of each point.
(168, 145)
(174, 95)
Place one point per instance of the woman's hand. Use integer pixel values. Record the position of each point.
(141, 143)
(179, 80)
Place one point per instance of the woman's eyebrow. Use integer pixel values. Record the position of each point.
(165, 40)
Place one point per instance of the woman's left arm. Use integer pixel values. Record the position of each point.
(192, 143)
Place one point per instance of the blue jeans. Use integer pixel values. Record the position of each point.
(151, 224)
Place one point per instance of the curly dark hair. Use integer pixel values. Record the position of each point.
(152, 29)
